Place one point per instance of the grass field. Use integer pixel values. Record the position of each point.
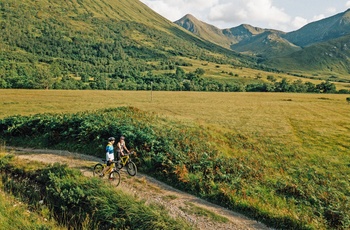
(300, 141)
(314, 124)
(233, 74)
(317, 122)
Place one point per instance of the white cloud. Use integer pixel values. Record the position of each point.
(299, 22)
(174, 10)
(318, 17)
(331, 10)
(250, 11)
(222, 13)
(165, 9)
(283, 15)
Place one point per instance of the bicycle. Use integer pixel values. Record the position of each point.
(130, 165)
(113, 172)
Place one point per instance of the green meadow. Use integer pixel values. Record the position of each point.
(289, 152)
(310, 123)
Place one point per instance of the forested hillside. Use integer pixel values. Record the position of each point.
(121, 45)
(95, 42)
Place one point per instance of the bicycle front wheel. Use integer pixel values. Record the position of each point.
(131, 168)
(114, 177)
(97, 169)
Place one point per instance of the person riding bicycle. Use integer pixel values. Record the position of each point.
(121, 146)
(109, 155)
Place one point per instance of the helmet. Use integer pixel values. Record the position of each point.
(122, 137)
(111, 139)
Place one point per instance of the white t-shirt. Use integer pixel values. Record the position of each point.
(109, 152)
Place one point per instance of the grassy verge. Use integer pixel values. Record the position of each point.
(77, 202)
(17, 215)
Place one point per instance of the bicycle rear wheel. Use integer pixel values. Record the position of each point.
(114, 177)
(97, 169)
(131, 168)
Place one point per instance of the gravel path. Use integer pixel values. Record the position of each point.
(175, 202)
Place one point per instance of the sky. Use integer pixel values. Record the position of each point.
(284, 15)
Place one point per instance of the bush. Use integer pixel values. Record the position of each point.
(78, 202)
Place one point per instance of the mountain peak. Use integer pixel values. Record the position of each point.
(322, 30)
(189, 16)
(204, 30)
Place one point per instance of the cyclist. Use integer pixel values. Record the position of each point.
(109, 155)
(121, 147)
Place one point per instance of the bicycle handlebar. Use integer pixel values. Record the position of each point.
(125, 154)
(128, 154)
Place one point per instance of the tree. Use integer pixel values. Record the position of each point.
(326, 87)
(311, 87)
(55, 69)
(199, 71)
(282, 86)
(43, 78)
(84, 77)
(271, 78)
(180, 73)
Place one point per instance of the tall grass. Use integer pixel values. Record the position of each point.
(271, 184)
(281, 158)
(15, 214)
(78, 202)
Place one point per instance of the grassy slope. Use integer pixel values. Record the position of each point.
(204, 30)
(329, 58)
(74, 20)
(17, 215)
(88, 210)
(77, 19)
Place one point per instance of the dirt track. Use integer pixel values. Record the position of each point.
(148, 189)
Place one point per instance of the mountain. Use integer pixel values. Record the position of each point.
(331, 57)
(314, 47)
(322, 30)
(244, 32)
(205, 31)
(95, 38)
(244, 38)
(267, 45)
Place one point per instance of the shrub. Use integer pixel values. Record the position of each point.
(78, 202)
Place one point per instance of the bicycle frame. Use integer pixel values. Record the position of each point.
(111, 167)
(124, 159)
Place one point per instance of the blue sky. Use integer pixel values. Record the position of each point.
(285, 15)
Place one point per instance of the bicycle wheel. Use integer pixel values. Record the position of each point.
(131, 168)
(97, 169)
(114, 177)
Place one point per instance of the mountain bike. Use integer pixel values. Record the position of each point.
(113, 172)
(125, 161)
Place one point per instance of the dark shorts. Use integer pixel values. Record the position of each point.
(109, 163)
